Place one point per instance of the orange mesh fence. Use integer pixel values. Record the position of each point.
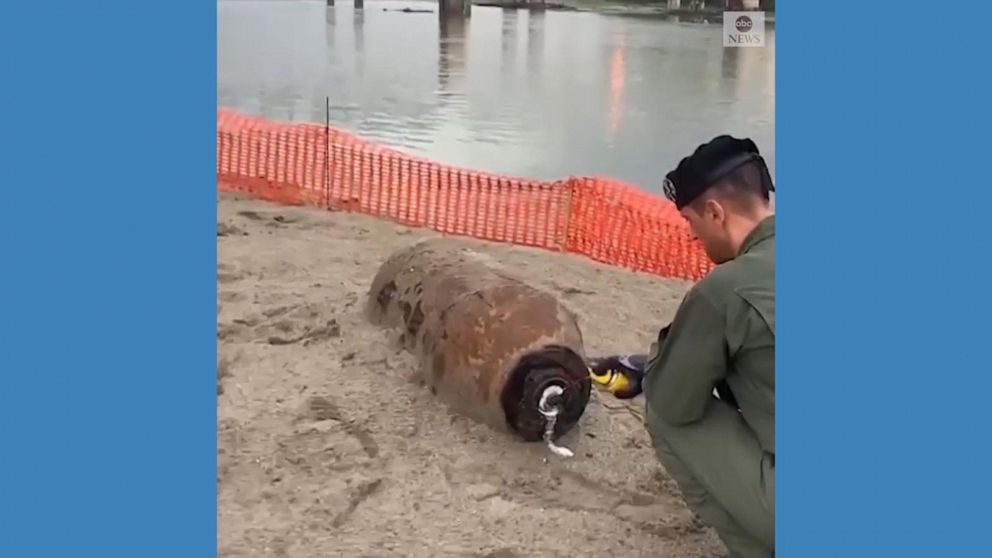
(312, 164)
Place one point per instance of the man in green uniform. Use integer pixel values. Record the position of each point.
(721, 450)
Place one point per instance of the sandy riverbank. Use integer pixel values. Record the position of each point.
(326, 447)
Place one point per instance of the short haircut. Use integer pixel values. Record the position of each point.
(744, 186)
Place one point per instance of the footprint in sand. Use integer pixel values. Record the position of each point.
(252, 215)
(233, 332)
(225, 277)
(309, 334)
(231, 297)
(224, 229)
(284, 325)
(319, 409)
(223, 371)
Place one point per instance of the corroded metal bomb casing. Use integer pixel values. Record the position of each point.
(488, 344)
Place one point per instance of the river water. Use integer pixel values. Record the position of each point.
(541, 95)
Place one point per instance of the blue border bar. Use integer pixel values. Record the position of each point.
(108, 280)
(883, 279)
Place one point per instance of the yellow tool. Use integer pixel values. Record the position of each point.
(620, 375)
(612, 380)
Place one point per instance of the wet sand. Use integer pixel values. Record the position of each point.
(329, 446)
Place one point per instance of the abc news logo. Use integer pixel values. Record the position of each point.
(743, 29)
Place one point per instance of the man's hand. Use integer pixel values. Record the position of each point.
(621, 375)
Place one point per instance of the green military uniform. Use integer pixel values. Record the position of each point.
(722, 458)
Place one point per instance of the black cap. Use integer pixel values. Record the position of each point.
(706, 166)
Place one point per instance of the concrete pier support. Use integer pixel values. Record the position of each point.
(450, 8)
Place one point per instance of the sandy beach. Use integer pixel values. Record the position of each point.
(329, 446)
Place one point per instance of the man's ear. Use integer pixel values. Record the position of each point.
(714, 210)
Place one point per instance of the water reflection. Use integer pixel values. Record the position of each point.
(730, 62)
(543, 94)
(358, 28)
(508, 37)
(535, 39)
(617, 81)
(451, 50)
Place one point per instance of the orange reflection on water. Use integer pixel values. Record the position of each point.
(617, 80)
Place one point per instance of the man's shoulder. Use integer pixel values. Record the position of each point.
(749, 271)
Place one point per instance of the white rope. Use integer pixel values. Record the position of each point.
(551, 415)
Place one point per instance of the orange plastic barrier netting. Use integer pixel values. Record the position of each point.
(312, 164)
